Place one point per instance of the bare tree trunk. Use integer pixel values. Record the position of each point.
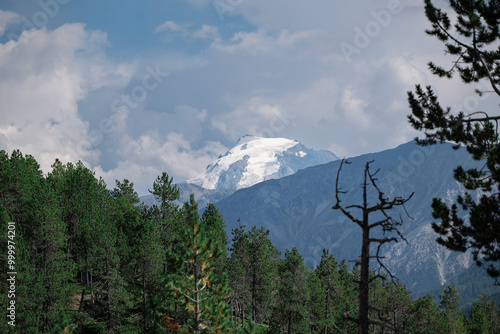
(46, 302)
(242, 317)
(363, 283)
(232, 311)
(289, 322)
(254, 292)
(365, 263)
(81, 300)
(144, 302)
(108, 285)
(92, 290)
(326, 306)
(197, 296)
(387, 224)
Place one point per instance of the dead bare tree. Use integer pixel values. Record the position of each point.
(388, 226)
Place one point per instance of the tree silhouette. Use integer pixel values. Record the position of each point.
(388, 226)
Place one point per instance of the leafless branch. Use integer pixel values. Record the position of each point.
(387, 224)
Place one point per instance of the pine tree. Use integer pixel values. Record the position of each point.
(473, 42)
(391, 303)
(4, 237)
(125, 216)
(424, 317)
(294, 292)
(55, 267)
(87, 210)
(149, 259)
(263, 257)
(45, 270)
(452, 316)
(484, 317)
(165, 192)
(239, 273)
(317, 303)
(338, 292)
(125, 189)
(191, 277)
(111, 286)
(214, 225)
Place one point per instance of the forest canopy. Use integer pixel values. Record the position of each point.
(95, 260)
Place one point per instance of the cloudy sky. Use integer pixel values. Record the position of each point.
(135, 88)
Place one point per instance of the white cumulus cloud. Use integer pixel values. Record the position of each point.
(43, 78)
(186, 30)
(7, 17)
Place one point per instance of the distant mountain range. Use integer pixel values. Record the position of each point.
(297, 208)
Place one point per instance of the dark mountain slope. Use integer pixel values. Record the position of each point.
(297, 210)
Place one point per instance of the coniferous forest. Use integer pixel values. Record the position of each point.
(90, 259)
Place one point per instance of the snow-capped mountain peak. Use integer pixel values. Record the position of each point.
(256, 159)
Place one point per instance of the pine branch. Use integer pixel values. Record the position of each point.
(488, 73)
